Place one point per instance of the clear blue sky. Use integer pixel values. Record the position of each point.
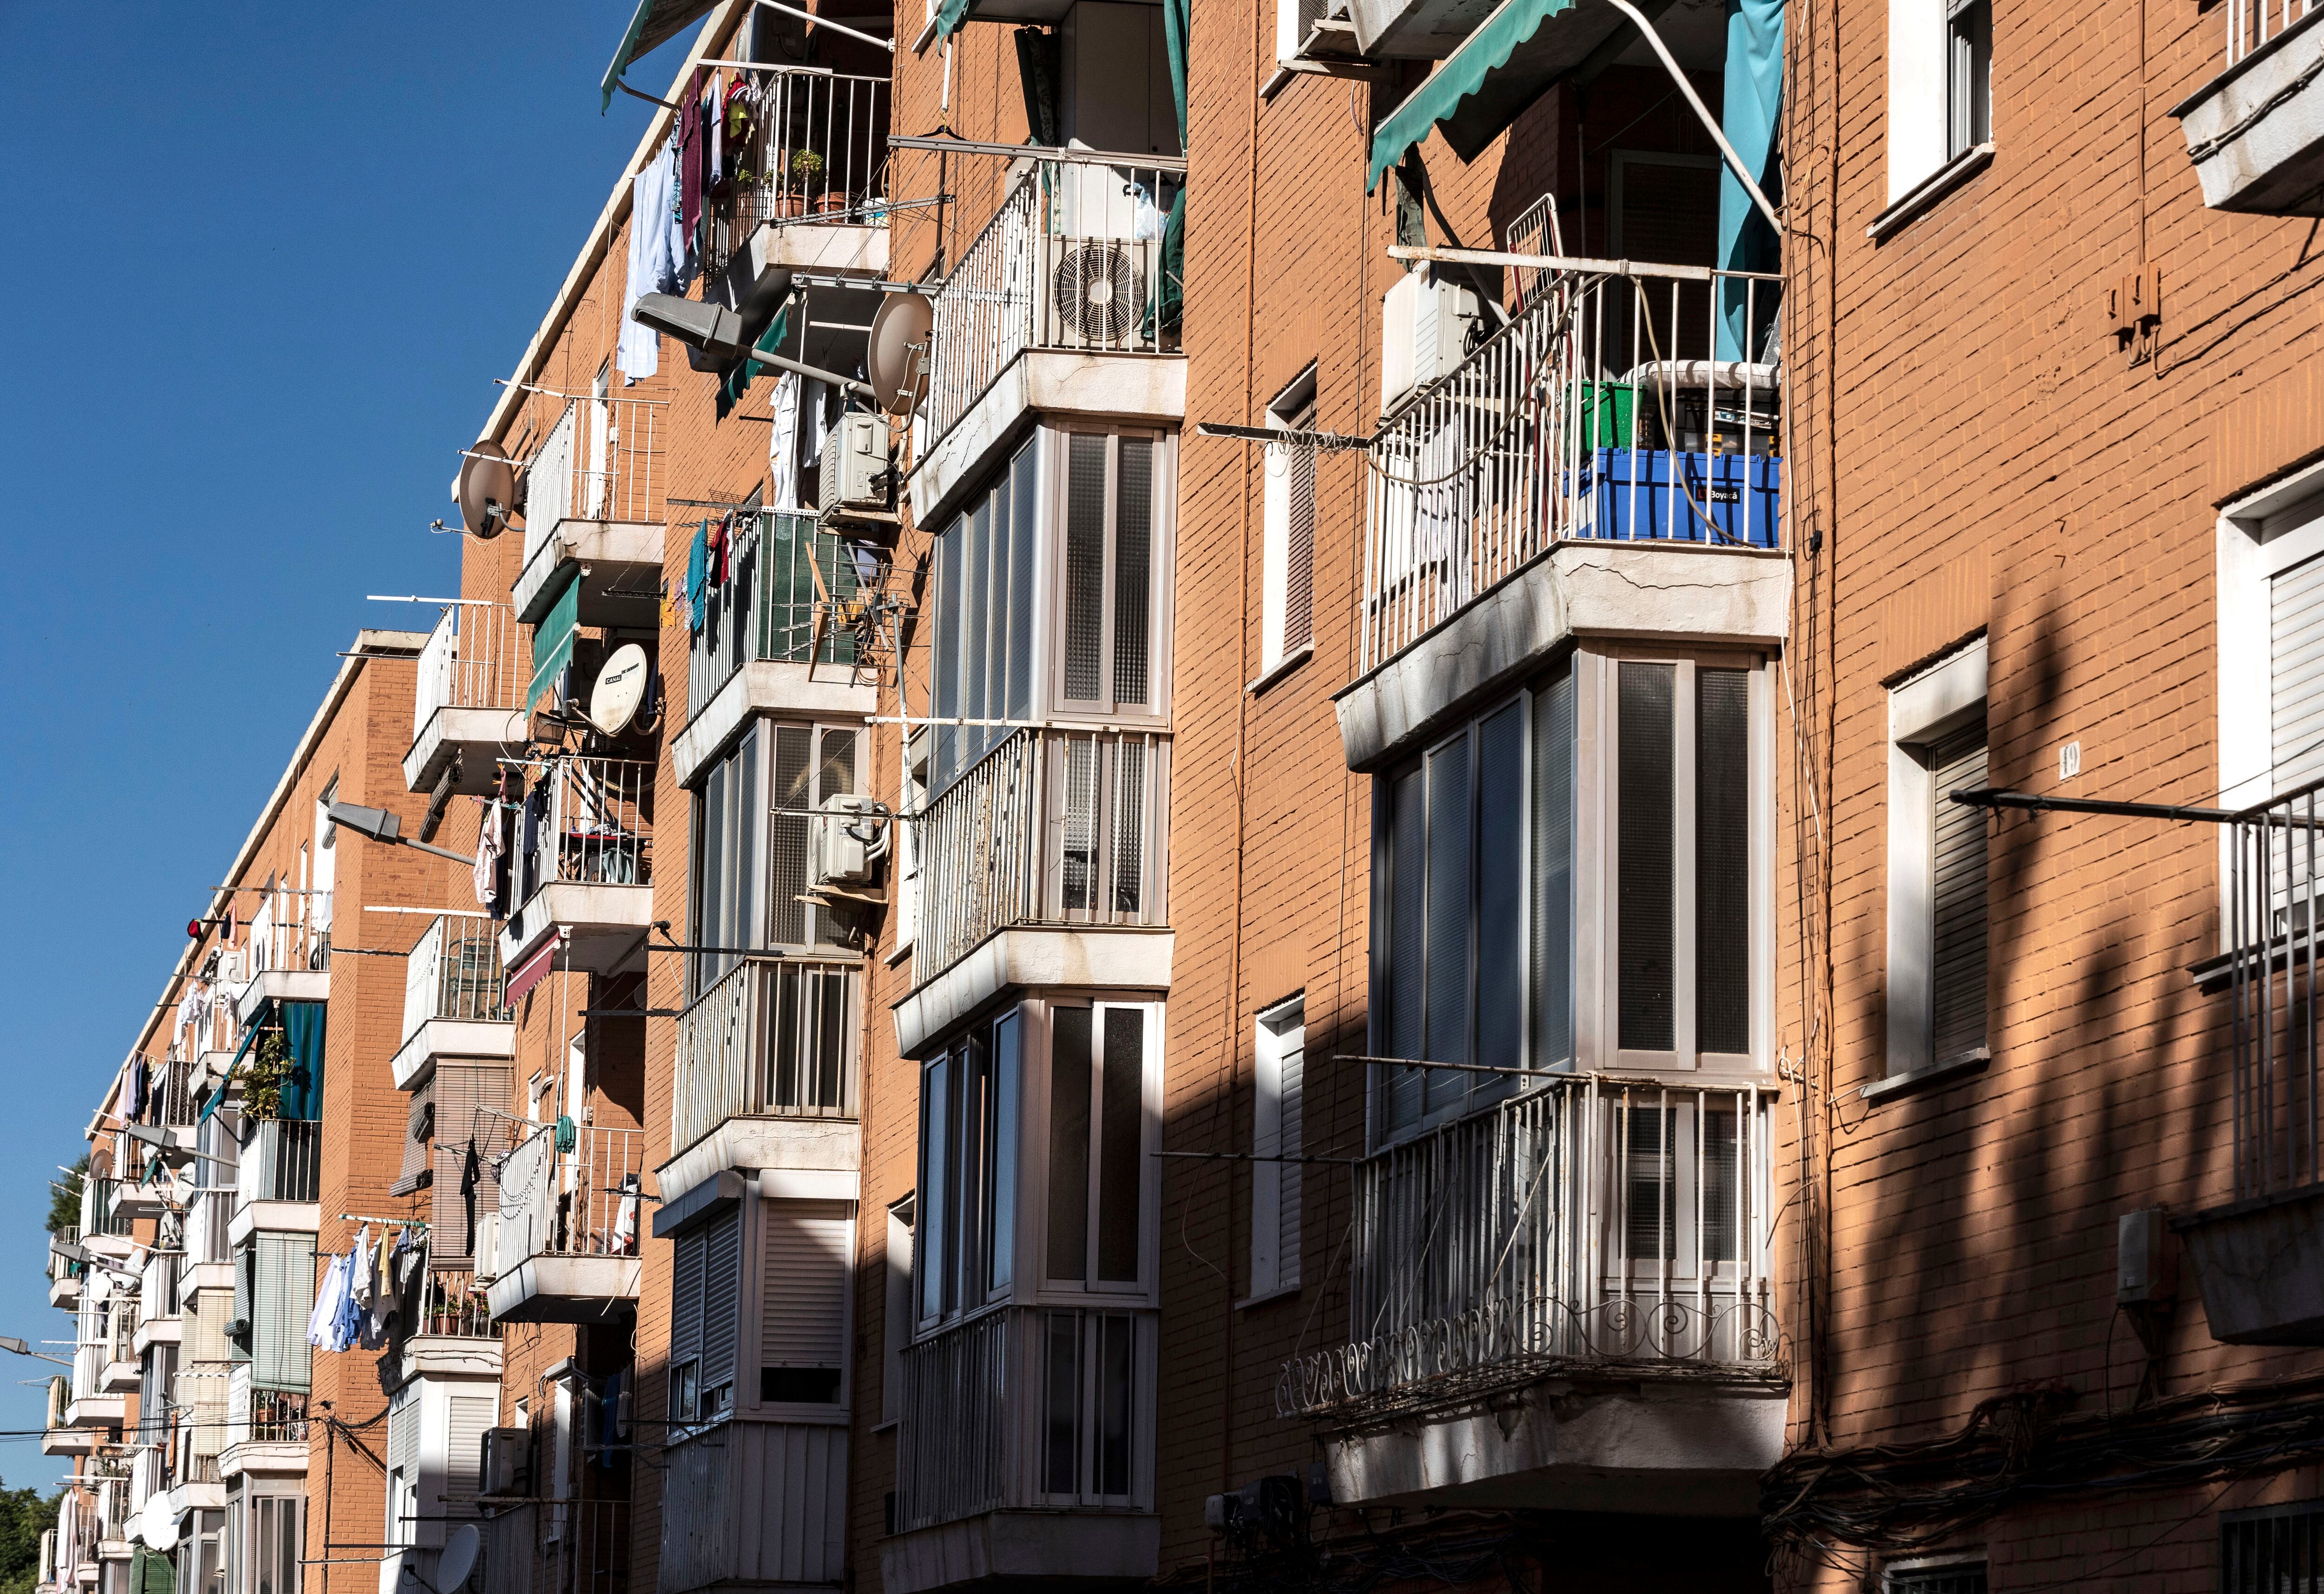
(265, 261)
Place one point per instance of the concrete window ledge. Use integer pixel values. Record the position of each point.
(1923, 195)
(1913, 1080)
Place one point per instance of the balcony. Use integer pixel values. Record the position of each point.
(2255, 132)
(285, 955)
(2259, 1256)
(565, 1246)
(1026, 1449)
(593, 518)
(118, 1353)
(452, 1334)
(577, 1546)
(65, 1274)
(265, 1428)
(469, 700)
(778, 635)
(277, 1178)
(811, 197)
(1068, 302)
(105, 1223)
(589, 869)
(1589, 468)
(767, 1072)
(1567, 1292)
(1044, 864)
(455, 1000)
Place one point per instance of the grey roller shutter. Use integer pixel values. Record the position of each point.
(2296, 675)
(722, 1299)
(686, 1297)
(419, 1131)
(1959, 947)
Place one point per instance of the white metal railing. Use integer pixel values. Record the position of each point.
(1587, 1220)
(593, 826)
(158, 1289)
(281, 1159)
(1600, 411)
(291, 932)
(170, 1098)
(1051, 827)
(454, 972)
(582, 1202)
(453, 1305)
(477, 657)
(813, 148)
(1073, 259)
(1038, 1408)
(100, 1207)
(771, 1038)
(602, 461)
(2274, 896)
(789, 593)
(209, 1219)
(2253, 22)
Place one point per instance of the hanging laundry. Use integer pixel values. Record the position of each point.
(490, 844)
(330, 1305)
(359, 1270)
(698, 578)
(626, 1218)
(782, 447)
(140, 1081)
(690, 152)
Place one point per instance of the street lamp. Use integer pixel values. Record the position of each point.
(173, 1155)
(379, 825)
(21, 1349)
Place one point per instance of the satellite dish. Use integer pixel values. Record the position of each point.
(458, 1558)
(621, 689)
(157, 1524)
(487, 490)
(896, 350)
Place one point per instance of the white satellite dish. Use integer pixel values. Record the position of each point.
(621, 689)
(157, 1524)
(458, 1558)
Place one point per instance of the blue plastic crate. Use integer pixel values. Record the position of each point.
(1631, 497)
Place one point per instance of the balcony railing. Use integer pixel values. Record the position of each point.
(577, 1202)
(281, 1160)
(596, 826)
(2275, 896)
(1601, 412)
(1051, 827)
(453, 1305)
(2253, 22)
(209, 1217)
(1076, 258)
(477, 657)
(813, 149)
(454, 972)
(290, 933)
(277, 1417)
(158, 1290)
(557, 1547)
(1586, 1221)
(170, 1099)
(770, 1039)
(100, 1207)
(1027, 1408)
(788, 588)
(602, 461)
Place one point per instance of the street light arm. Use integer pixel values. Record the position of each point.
(379, 825)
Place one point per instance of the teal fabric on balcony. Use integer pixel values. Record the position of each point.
(651, 24)
(1748, 107)
(1502, 68)
(302, 1089)
(737, 381)
(950, 15)
(249, 1038)
(552, 640)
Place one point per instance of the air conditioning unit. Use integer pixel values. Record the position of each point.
(1094, 292)
(1294, 20)
(1425, 325)
(501, 1469)
(856, 479)
(850, 838)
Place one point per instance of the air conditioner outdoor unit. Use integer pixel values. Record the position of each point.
(1096, 274)
(501, 1469)
(850, 837)
(1424, 328)
(855, 478)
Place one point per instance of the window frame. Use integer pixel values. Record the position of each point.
(1279, 1032)
(1049, 538)
(1929, 708)
(1280, 643)
(1968, 75)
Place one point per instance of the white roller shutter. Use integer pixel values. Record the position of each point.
(802, 1316)
(2296, 675)
(1957, 1009)
(468, 1416)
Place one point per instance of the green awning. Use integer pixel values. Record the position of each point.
(552, 640)
(1500, 70)
(950, 15)
(739, 377)
(653, 24)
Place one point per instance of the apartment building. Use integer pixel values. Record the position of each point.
(2059, 1181)
(213, 1449)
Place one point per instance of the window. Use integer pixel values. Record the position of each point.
(1098, 1116)
(897, 1318)
(803, 1303)
(1934, 1577)
(965, 1243)
(986, 569)
(1090, 1404)
(1937, 929)
(1473, 855)
(2270, 631)
(1969, 72)
(2274, 1548)
(1288, 602)
(752, 839)
(276, 1545)
(1278, 1065)
(706, 1284)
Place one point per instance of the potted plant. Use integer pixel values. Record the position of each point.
(806, 176)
